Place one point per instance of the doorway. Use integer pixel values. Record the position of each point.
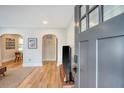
(49, 48)
(11, 53)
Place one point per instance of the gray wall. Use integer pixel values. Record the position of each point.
(77, 30)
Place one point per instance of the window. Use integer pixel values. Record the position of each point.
(92, 15)
(94, 18)
(111, 11)
(83, 24)
(91, 6)
(83, 10)
(89, 17)
(20, 44)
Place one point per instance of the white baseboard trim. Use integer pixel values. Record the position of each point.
(34, 64)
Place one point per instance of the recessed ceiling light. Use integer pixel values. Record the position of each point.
(45, 22)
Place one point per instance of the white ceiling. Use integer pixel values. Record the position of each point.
(32, 16)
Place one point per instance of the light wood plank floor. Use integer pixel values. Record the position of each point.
(47, 76)
(12, 64)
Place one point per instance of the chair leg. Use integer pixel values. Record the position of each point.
(3, 74)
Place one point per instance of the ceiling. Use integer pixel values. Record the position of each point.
(33, 16)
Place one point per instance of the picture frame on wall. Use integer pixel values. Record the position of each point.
(32, 43)
(10, 43)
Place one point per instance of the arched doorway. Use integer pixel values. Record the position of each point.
(49, 48)
(11, 50)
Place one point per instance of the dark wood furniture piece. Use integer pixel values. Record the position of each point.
(18, 56)
(3, 70)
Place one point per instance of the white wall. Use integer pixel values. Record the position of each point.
(33, 57)
(71, 38)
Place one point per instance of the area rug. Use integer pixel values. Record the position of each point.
(13, 77)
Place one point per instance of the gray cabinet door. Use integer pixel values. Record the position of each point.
(100, 53)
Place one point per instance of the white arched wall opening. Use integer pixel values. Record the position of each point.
(61, 41)
(13, 31)
(31, 57)
(49, 48)
(7, 54)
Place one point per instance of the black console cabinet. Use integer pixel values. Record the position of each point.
(66, 59)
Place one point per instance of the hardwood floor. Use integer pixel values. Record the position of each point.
(13, 64)
(47, 76)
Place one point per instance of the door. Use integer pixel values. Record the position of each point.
(100, 53)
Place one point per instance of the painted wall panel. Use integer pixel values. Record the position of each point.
(111, 62)
(84, 64)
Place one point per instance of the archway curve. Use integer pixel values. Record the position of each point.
(11, 34)
(17, 47)
(49, 48)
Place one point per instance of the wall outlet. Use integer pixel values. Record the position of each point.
(29, 59)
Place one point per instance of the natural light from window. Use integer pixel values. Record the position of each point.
(20, 44)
